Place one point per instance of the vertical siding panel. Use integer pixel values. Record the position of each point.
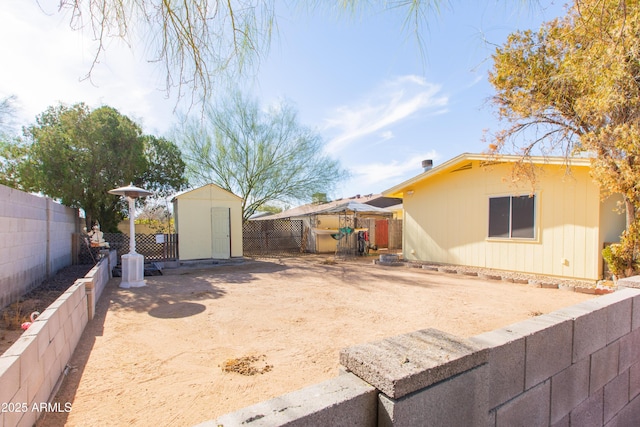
(559, 206)
(592, 211)
(545, 228)
(568, 228)
(453, 237)
(480, 217)
(569, 235)
(580, 248)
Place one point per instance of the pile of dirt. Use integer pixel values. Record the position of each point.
(244, 365)
(37, 300)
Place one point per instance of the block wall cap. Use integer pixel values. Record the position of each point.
(406, 363)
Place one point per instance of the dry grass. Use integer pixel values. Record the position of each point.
(14, 316)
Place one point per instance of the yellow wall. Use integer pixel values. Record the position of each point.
(446, 220)
(324, 242)
(123, 227)
(193, 221)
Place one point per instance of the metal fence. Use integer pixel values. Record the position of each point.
(273, 237)
(154, 247)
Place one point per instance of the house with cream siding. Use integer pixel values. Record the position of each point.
(469, 211)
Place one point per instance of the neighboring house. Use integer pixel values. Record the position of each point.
(208, 221)
(322, 220)
(468, 211)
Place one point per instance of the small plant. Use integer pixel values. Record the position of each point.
(615, 262)
(622, 258)
(13, 316)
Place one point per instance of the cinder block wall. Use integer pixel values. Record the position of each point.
(97, 278)
(35, 241)
(32, 367)
(579, 366)
(575, 366)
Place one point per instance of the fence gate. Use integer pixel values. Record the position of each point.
(382, 233)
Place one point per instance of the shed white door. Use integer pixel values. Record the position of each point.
(220, 233)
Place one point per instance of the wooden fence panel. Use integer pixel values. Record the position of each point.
(395, 234)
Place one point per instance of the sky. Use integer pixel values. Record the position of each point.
(380, 105)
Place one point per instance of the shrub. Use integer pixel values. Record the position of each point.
(622, 257)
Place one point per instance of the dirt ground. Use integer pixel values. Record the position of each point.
(157, 355)
(12, 317)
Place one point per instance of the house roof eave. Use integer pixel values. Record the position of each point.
(399, 189)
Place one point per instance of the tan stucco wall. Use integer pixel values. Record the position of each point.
(446, 220)
(193, 221)
(324, 242)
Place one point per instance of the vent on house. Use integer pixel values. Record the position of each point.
(427, 164)
(464, 167)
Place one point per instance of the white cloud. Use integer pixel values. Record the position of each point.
(46, 61)
(392, 102)
(386, 135)
(391, 172)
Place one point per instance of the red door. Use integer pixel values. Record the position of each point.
(382, 233)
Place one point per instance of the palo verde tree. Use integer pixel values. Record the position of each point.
(261, 156)
(76, 155)
(7, 140)
(7, 115)
(200, 42)
(574, 87)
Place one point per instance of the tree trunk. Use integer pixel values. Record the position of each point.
(630, 210)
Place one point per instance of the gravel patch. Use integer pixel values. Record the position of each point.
(534, 280)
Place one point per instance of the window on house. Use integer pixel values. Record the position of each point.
(512, 217)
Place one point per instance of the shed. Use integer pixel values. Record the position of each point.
(208, 221)
(467, 211)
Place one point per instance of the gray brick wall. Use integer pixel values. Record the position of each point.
(35, 241)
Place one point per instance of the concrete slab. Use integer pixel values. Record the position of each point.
(405, 363)
(629, 282)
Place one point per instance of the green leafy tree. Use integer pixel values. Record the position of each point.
(574, 87)
(164, 172)
(75, 154)
(260, 156)
(269, 209)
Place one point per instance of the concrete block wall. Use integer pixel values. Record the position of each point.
(342, 401)
(570, 367)
(35, 241)
(97, 278)
(30, 370)
(576, 366)
(63, 222)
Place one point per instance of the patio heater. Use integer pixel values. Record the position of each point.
(132, 263)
